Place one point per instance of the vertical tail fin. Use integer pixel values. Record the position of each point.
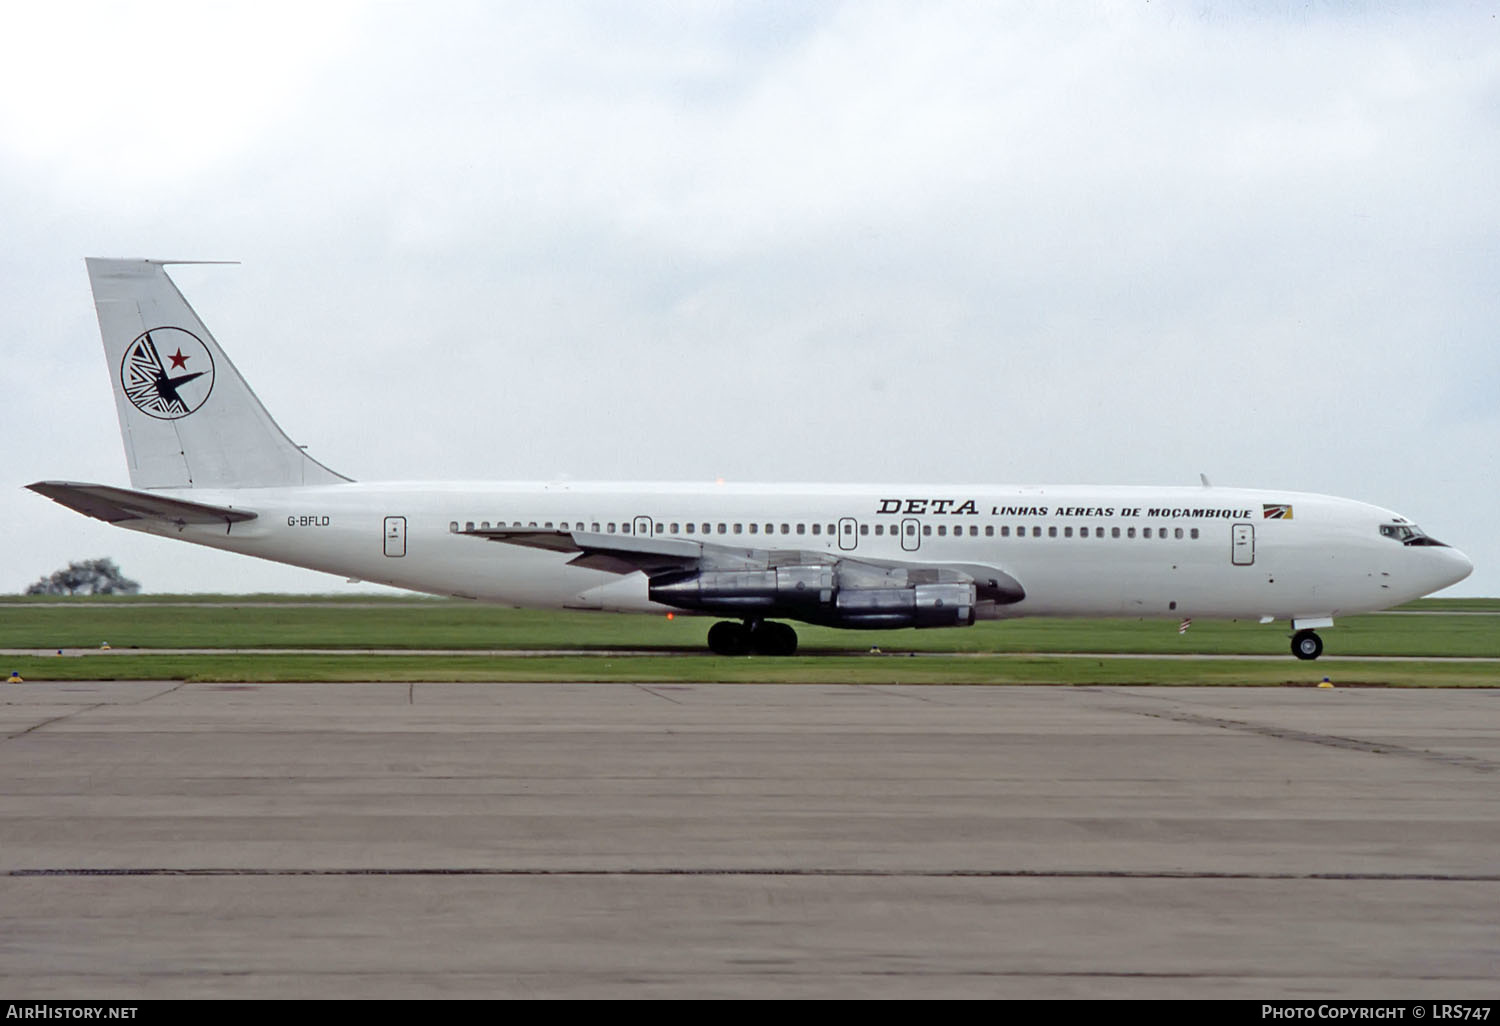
(187, 417)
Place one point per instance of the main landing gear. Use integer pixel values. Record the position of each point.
(1307, 645)
(759, 636)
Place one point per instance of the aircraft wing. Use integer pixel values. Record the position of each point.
(615, 553)
(114, 505)
(672, 558)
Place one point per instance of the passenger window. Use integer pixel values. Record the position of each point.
(689, 528)
(879, 529)
(708, 529)
(661, 529)
(927, 530)
(830, 528)
(611, 527)
(1145, 532)
(1130, 533)
(864, 530)
(942, 530)
(548, 525)
(624, 528)
(989, 530)
(1178, 532)
(1051, 532)
(817, 528)
(674, 528)
(723, 529)
(739, 528)
(786, 528)
(453, 526)
(1083, 532)
(754, 528)
(594, 527)
(801, 528)
(1067, 532)
(1195, 534)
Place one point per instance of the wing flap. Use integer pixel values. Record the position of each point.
(115, 505)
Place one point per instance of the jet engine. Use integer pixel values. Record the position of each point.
(870, 598)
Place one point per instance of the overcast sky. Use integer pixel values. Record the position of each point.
(930, 242)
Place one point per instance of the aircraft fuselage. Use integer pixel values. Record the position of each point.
(1078, 551)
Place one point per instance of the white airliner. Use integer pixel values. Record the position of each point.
(209, 465)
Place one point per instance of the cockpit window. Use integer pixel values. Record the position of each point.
(1408, 534)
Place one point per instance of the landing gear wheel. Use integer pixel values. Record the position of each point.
(773, 639)
(728, 638)
(1307, 645)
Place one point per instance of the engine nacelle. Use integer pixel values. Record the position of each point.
(925, 605)
(777, 591)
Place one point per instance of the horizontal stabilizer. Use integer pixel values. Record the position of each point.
(113, 505)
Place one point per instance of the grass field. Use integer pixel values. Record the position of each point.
(654, 649)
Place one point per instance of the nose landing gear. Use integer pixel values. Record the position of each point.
(1307, 645)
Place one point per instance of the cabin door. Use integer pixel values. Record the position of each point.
(1243, 549)
(395, 536)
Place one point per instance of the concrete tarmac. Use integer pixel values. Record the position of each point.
(720, 840)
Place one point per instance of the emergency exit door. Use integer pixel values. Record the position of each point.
(848, 533)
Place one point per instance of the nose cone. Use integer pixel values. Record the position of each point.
(1449, 566)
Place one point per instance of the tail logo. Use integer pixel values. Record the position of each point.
(167, 373)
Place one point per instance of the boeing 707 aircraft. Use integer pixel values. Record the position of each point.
(208, 465)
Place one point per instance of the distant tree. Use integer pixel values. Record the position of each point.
(87, 577)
